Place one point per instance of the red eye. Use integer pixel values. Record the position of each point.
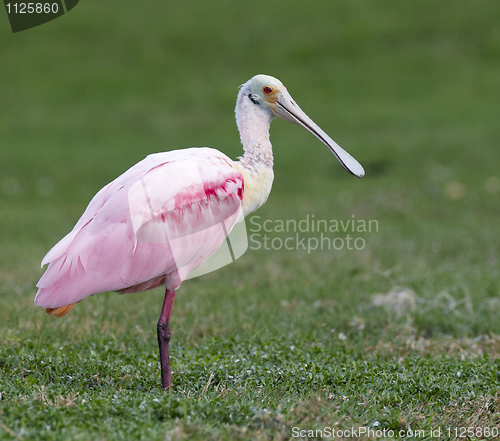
(267, 89)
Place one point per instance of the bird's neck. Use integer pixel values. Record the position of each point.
(256, 165)
(253, 124)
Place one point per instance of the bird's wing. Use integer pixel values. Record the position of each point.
(159, 218)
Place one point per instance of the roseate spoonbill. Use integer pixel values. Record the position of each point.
(124, 240)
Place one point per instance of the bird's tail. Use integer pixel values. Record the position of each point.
(59, 312)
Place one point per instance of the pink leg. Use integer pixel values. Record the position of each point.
(163, 330)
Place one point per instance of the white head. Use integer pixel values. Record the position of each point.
(268, 93)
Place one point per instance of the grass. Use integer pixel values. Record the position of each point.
(401, 334)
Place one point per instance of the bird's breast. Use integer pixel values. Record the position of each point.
(258, 180)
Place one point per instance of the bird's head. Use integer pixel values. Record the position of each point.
(265, 92)
(270, 94)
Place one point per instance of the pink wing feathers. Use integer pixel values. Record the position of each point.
(152, 225)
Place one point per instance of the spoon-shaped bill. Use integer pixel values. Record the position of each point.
(288, 110)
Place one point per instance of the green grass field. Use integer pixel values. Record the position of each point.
(402, 334)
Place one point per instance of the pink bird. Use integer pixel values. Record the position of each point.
(162, 218)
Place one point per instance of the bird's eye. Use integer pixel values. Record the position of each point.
(267, 89)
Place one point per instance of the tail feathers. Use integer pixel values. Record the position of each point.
(59, 312)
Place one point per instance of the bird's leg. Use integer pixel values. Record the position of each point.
(163, 330)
